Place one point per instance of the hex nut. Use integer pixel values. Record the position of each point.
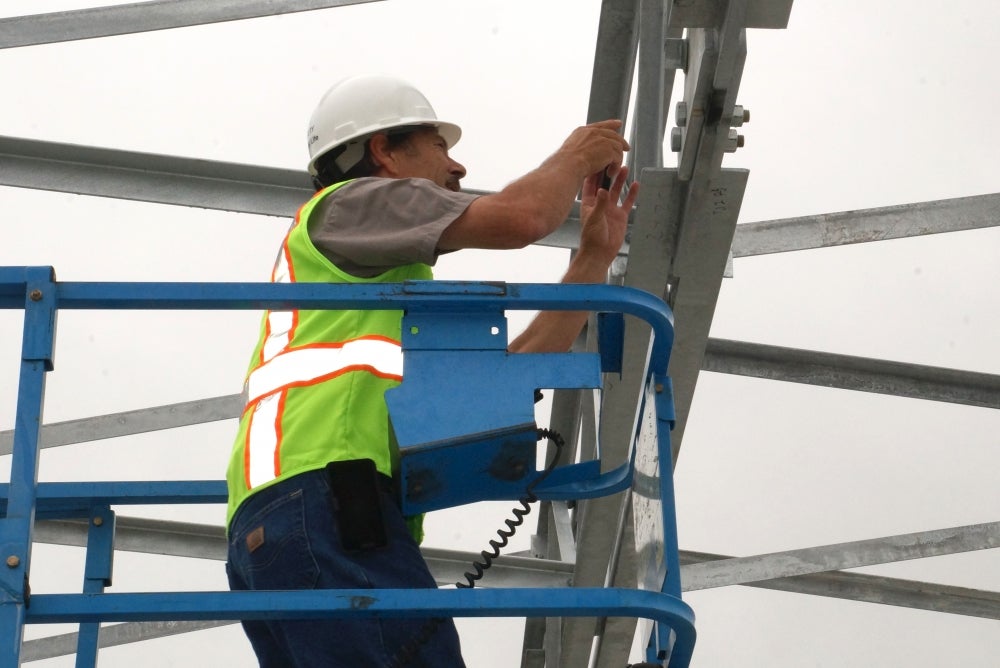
(676, 139)
(681, 114)
(734, 141)
(740, 116)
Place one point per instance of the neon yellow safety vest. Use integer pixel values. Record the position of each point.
(316, 380)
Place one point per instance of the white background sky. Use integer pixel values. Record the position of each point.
(857, 104)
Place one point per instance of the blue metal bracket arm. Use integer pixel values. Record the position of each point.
(463, 417)
(463, 420)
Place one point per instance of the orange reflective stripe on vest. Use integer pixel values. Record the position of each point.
(267, 384)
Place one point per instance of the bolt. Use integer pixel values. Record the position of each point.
(658, 387)
(675, 53)
(98, 521)
(35, 295)
(13, 561)
(681, 113)
(740, 116)
(676, 139)
(735, 141)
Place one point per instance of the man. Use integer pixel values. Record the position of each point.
(311, 499)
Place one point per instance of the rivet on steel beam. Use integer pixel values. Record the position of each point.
(13, 561)
(98, 521)
(35, 295)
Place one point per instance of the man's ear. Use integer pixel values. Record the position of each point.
(385, 161)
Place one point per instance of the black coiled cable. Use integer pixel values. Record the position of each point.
(409, 650)
(518, 519)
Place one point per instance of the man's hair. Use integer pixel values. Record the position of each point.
(328, 173)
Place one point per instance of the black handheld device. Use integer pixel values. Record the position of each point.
(357, 504)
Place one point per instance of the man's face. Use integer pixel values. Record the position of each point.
(425, 155)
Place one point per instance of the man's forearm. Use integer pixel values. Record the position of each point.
(555, 331)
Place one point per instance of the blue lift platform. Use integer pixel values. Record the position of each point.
(463, 420)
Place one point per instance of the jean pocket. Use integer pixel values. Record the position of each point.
(271, 550)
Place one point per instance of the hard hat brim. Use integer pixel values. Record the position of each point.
(451, 133)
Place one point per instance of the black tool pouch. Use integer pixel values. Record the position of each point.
(356, 503)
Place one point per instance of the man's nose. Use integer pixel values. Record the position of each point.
(457, 169)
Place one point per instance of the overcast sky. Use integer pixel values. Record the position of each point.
(857, 104)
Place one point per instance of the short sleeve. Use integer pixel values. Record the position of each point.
(371, 225)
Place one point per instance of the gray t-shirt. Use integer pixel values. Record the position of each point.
(371, 225)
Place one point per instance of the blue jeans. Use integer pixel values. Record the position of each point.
(285, 537)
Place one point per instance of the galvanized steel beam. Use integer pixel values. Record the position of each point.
(112, 635)
(863, 374)
(201, 541)
(684, 224)
(710, 13)
(145, 17)
(696, 274)
(144, 177)
(167, 179)
(878, 224)
(138, 421)
(597, 526)
(269, 191)
(610, 91)
(681, 239)
(653, 92)
(614, 60)
(876, 589)
(685, 220)
(744, 570)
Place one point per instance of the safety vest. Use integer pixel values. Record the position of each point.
(317, 378)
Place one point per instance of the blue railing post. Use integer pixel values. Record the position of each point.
(16, 526)
(96, 576)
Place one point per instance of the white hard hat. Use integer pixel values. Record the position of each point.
(358, 107)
